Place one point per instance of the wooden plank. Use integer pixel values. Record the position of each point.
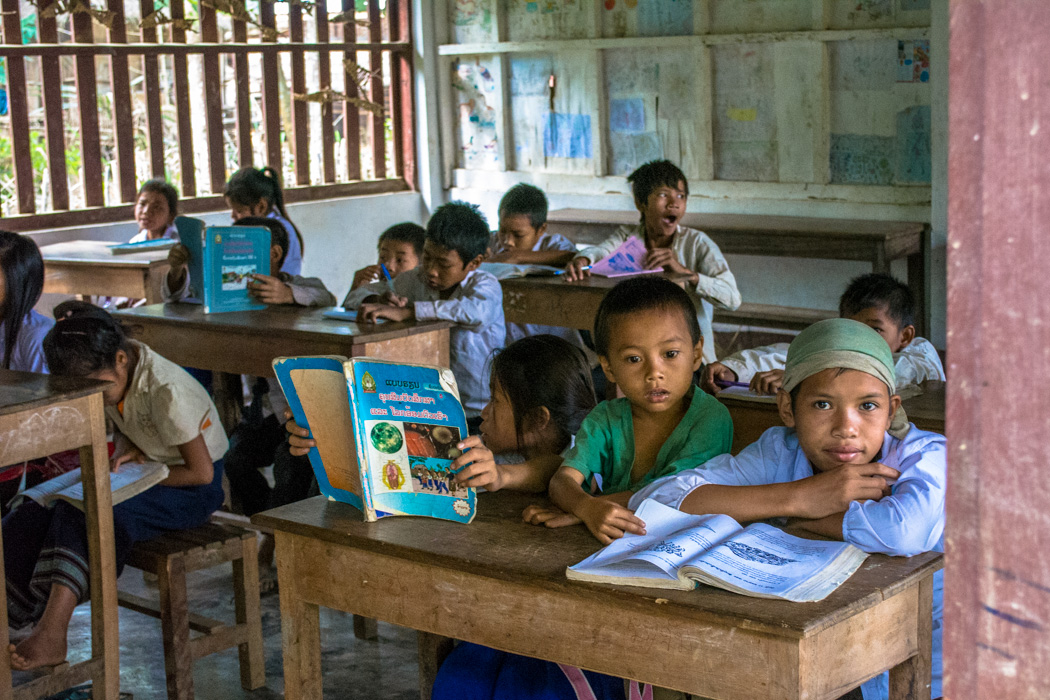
(242, 80)
(375, 92)
(599, 135)
(195, 49)
(300, 628)
(271, 94)
(705, 139)
(123, 126)
(401, 101)
(248, 613)
(146, 606)
(351, 114)
(183, 125)
(213, 102)
(51, 70)
(802, 105)
(151, 86)
(18, 111)
(300, 109)
(324, 75)
(87, 106)
(431, 651)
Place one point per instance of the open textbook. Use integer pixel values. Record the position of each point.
(680, 550)
(504, 271)
(131, 479)
(386, 433)
(222, 261)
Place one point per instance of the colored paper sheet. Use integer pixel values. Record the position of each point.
(913, 145)
(862, 160)
(567, 136)
(627, 116)
(665, 17)
(742, 115)
(913, 61)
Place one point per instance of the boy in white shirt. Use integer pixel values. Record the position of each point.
(876, 300)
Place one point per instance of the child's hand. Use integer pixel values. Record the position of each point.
(574, 270)
(178, 258)
(767, 382)
(132, 455)
(366, 275)
(299, 440)
(394, 300)
(507, 256)
(833, 491)
(270, 290)
(370, 313)
(714, 373)
(608, 521)
(549, 516)
(477, 465)
(665, 258)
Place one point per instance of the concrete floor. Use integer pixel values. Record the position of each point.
(384, 669)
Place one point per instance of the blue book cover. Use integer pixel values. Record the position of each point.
(386, 433)
(231, 255)
(191, 236)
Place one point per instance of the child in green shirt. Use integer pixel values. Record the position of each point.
(649, 343)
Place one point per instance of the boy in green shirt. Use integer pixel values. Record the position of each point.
(649, 343)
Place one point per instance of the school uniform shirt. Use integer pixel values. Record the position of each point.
(165, 407)
(604, 445)
(27, 355)
(293, 259)
(143, 235)
(696, 251)
(907, 522)
(915, 363)
(475, 308)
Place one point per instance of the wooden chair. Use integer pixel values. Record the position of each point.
(171, 557)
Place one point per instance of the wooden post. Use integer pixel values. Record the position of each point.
(997, 578)
(351, 115)
(271, 96)
(123, 126)
(47, 28)
(324, 76)
(213, 101)
(300, 109)
(151, 83)
(182, 106)
(375, 65)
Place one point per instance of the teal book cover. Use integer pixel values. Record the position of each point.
(232, 254)
(386, 434)
(191, 236)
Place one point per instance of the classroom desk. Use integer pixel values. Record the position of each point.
(501, 582)
(877, 242)
(752, 418)
(246, 342)
(41, 415)
(90, 267)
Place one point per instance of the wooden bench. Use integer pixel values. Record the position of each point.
(176, 554)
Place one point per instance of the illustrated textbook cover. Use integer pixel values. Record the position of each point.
(386, 433)
(222, 260)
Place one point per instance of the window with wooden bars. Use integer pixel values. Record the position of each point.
(97, 98)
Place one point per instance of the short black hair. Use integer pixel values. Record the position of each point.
(461, 227)
(84, 340)
(406, 232)
(278, 234)
(879, 290)
(525, 199)
(655, 173)
(639, 294)
(166, 190)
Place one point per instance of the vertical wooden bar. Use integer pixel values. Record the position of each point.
(87, 103)
(351, 115)
(802, 105)
(182, 107)
(151, 82)
(324, 75)
(18, 109)
(51, 72)
(375, 32)
(996, 603)
(242, 80)
(123, 126)
(213, 101)
(401, 79)
(704, 85)
(271, 97)
(300, 109)
(598, 133)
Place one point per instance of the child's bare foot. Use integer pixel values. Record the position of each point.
(43, 647)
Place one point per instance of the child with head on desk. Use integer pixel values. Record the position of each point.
(160, 413)
(649, 343)
(842, 468)
(22, 329)
(448, 286)
(877, 300)
(156, 207)
(400, 248)
(660, 193)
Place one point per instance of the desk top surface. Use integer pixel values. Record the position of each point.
(926, 408)
(753, 223)
(498, 544)
(594, 282)
(20, 391)
(99, 253)
(273, 321)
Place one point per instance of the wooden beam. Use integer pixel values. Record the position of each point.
(351, 114)
(123, 126)
(87, 106)
(324, 76)
(271, 96)
(375, 93)
(300, 109)
(212, 101)
(242, 80)
(151, 85)
(183, 125)
(54, 123)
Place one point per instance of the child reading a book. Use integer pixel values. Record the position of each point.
(400, 248)
(875, 299)
(22, 329)
(649, 343)
(156, 207)
(840, 468)
(160, 414)
(660, 193)
(448, 286)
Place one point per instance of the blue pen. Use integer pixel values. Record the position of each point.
(386, 273)
(562, 272)
(725, 383)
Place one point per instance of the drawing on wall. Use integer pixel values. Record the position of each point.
(475, 88)
(628, 151)
(627, 116)
(744, 118)
(567, 136)
(863, 65)
(471, 20)
(857, 159)
(648, 17)
(913, 61)
(913, 145)
(546, 19)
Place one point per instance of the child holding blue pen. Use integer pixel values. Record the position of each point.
(400, 248)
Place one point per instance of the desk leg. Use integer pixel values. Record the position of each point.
(433, 648)
(5, 667)
(300, 629)
(910, 679)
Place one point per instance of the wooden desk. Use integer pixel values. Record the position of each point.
(41, 415)
(752, 418)
(246, 342)
(501, 582)
(90, 267)
(877, 242)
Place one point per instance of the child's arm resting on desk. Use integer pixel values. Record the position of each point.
(606, 518)
(480, 303)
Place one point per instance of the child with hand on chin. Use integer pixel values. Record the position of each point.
(843, 467)
(660, 192)
(649, 343)
(400, 248)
